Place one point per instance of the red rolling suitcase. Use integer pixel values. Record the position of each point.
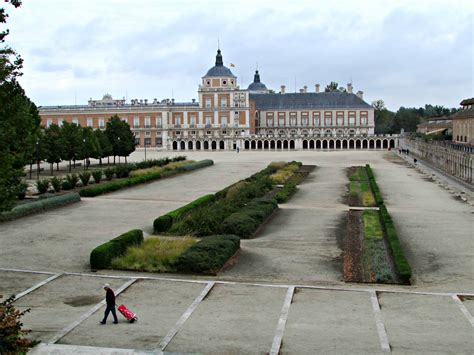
(131, 317)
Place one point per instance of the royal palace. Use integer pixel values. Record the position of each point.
(226, 117)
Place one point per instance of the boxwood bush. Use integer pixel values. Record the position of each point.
(101, 257)
(164, 223)
(208, 255)
(374, 186)
(196, 165)
(286, 192)
(401, 263)
(39, 206)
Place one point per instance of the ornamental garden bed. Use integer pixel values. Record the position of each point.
(201, 236)
(360, 192)
(372, 250)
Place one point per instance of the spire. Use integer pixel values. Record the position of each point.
(219, 62)
(256, 78)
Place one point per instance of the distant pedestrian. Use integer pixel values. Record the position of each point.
(414, 161)
(238, 149)
(110, 299)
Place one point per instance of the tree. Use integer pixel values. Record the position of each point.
(121, 137)
(90, 146)
(406, 119)
(71, 142)
(52, 145)
(333, 86)
(383, 118)
(104, 146)
(19, 121)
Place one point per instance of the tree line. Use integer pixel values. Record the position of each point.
(71, 142)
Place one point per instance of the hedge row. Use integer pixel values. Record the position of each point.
(40, 205)
(286, 192)
(374, 186)
(164, 223)
(117, 185)
(401, 263)
(208, 255)
(196, 165)
(246, 221)
(101, 257)
(97, 190)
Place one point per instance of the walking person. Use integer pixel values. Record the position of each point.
(110, 299)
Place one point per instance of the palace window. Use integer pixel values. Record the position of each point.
(124, 119)
(101, 123)
(147, 122)
(89, 122)
(60, 122)
(328, 118)
(223, 102)
(208, 103)
(49, 122)
(136, 122)
(148, 142)
(147, 134)
(340, 118)
(193, 121)
(158, 122)
(363, 118)
(75, 120)
(177, 120)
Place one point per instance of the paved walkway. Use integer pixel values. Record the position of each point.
(290, 300)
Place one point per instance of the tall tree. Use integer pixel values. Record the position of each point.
(121, 137)
(383, 118)
(90, 146)
(52, 145)
(71, 142)
(19, 121)
(333, 86)
(104, 146)
(406, 119)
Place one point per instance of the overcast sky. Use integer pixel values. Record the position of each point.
(405, 52)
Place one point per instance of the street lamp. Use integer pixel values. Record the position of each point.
(84, 147)
(37, 160)
(118, 148)
(145, 148)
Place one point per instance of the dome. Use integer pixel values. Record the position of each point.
(219, 69)
(257, 85)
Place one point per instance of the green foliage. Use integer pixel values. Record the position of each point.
(286, 192)
(97, 175)
(85, 178)
(39, 206)
(56, 183)
(100, 189)
(42, 186)
(52, 145)
(12, 336)
(109, 173)
(208, 255)
(154, 255)
(72, 179)
(120, 137)
(101, 257)
(373, 185)
(333, 86)
(71, 142)
(164, 223)
(196, 165)
(401, 263)
(122, 171)
(22, 188)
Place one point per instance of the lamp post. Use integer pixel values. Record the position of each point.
(37, 160)
(118, 148)
(144, 140)
(84, 147)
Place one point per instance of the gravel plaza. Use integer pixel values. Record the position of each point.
(285, 292)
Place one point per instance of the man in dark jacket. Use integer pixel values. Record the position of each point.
(110, 299)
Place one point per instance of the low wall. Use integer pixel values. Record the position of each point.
(454, 159)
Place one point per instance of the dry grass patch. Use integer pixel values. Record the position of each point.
(160, 169)
(154, 255)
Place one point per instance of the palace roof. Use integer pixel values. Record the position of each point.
(310, 100)
(219, 69)
(257, 85)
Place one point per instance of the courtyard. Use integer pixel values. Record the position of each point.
(284, 292)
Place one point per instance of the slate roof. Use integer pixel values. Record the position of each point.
(257, 85)
(310, 100)
(219, 69)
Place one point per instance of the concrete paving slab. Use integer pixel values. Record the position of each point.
(12, 283)
(61, 302)
(425, 325)
(226, 322)
(468, 302)
(158, 304)
(330, 322)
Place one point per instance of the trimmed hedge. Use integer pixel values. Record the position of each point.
(208, 255)
(40, 206)
(164, 223)
(286, 192)
(401, 263)
(101, 257)
(196, 165)
(103, 188)
(373, 185)
(246, 221)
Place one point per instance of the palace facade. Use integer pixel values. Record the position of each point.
(226, 116)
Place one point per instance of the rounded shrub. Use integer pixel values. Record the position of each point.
(97, 175)
(42, 186)
(162, 223)
(239, 224)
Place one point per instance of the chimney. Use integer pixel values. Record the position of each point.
(282, 89)
(317, 87)
(360, 94)
(146, 101)
(301, 91)
(193, 100)
(349, 88)
(305, 88)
